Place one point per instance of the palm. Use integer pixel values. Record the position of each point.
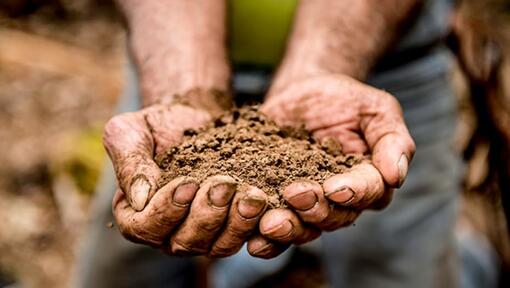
(363, 120)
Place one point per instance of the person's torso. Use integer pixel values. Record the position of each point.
(258, 29)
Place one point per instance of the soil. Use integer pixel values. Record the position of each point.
(252, 149)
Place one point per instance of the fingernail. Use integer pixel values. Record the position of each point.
(185, 193)
(140, 193)
(263, 249)
(343, 195)
(249, 207)
(403, 165)
(281, 231)
(303, 201)
(221, 194)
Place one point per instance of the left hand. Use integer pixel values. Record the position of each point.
(363, 120)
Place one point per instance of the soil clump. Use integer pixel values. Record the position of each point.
(252, 149)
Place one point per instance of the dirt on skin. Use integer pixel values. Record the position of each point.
(252, 149)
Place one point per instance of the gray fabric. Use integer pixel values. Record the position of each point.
(480, 261)
(431, 24)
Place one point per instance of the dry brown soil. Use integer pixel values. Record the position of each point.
(252, 149)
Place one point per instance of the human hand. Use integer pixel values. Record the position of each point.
(363, 120)
(183, 217)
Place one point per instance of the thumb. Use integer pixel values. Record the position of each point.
(387, 136)
(130, 145)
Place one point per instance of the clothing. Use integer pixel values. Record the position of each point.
(409, 244)
(258, 29)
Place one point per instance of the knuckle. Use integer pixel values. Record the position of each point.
(181, 249)
(319, 216)
(411, 146)
(111, 129)
(391, 101)
(130, 233)
(209, 225)
(239, 231)
(225, 248)
(133, 231)
(339, 219)
(113, 125)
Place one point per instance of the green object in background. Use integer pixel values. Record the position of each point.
(259, 29)
(81, 156)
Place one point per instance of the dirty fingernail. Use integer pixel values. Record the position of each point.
(139, 193)
(269, 251)
(262, 250)
(403, 165)
(221, 194)
(185, 193)
(343, 195)
(249, 207)
(283, 230)
(303, 201)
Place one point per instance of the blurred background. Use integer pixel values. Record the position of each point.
(61, 74)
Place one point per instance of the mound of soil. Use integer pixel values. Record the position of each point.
(252, 149)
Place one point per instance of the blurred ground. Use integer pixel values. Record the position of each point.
(59, 79)
(60, 75)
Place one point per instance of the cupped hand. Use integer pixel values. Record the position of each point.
(363, 120)
(183, 217)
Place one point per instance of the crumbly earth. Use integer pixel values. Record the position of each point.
(252, 149)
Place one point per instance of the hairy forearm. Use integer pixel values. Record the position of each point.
(341, 37)
(178, 46)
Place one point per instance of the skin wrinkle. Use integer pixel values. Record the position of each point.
(339, 49)
(340, 219)
(248, 220)
(340, 37)
(186, 248)
(173, 60)
(160, 223)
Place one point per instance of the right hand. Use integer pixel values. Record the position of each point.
(183, 217)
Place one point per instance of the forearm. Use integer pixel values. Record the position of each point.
(178, 47)
(341, 37)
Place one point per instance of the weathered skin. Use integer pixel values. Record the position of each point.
(332, 44)
(176, 54)
(183, 217)
(363, 120)
(179, 49)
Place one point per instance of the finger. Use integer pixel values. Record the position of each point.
(359, 187)
(384, 201)
(387, 136)
(308, 201)
(207, 215)
(260, 247)
(246, 209)
(129, 144)
(168, 129)
(349, 139)
(338, 217)
(163, 213)
(391, 156)
(283, 226)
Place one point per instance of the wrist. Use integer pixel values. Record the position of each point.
(166, 71)
(215, 102)
(175, 52)
(298, 72)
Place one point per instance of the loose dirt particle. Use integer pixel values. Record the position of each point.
(252, 149)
